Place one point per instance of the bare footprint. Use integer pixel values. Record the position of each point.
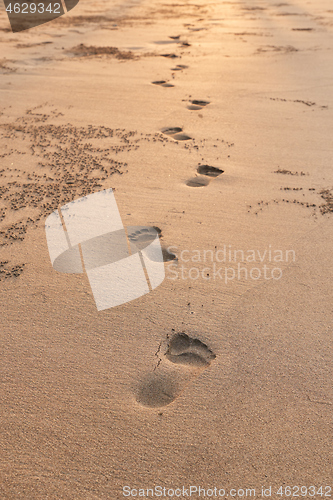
(165, 42)
(196, 105)
(176, 133)
(204, 171)
(141, 236)
(197, 182)
(193, 107)
(171, 130)
(168, 381)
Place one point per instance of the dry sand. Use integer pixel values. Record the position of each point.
(82, 391)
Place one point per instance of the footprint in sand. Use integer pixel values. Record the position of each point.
(168, 381)
(176, 133)
(162, 83)
(197, 182)
(204, 171)
(196, 105)
(170, 56)
(196, 29)
(209, 171)
(141, 236)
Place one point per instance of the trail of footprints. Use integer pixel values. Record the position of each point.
(204, 172)
(166, 383)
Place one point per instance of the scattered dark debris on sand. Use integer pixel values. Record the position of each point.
(4, 68)
(302, 29)
(263, 204)
(197, 182)
(86, 51)
(6, 271)
(70, 162)
(327, 195)
(324, 208)
(300, 101)
(65, 162)
(158, 389)
(288, 172)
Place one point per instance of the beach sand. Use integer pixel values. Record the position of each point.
(92, 401)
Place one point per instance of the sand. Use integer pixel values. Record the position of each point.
(213, 123)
